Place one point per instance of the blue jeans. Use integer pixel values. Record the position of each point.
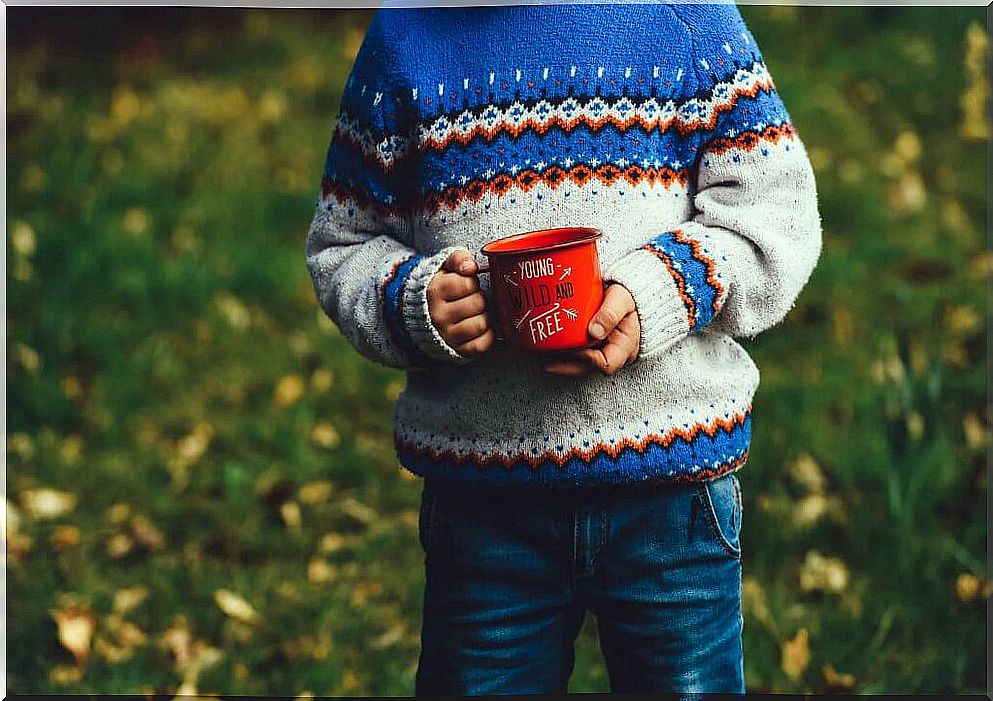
(510, 576)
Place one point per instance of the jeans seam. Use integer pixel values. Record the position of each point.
(429, 535)
(715, 527)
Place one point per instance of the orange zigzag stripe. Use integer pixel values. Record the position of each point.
(612, 450)
(749, 140)
(707, 261)
(581, 174)
(567, 125)
(552, 177)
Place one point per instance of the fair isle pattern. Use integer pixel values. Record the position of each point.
(595, 113)
(695, 274)
(391, 291)
(702, 450)
(384, 150)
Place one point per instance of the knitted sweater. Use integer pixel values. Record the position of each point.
(658, 124)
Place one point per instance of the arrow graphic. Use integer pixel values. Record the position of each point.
(571, 313)
(517, 324)
(510, 280)
(565, 273)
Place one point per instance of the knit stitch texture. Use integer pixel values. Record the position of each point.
(658, 124)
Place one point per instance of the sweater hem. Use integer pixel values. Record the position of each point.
(704, 457)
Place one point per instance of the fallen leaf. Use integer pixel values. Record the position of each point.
(806, 472)
(389, 638)
(75, 630)
(119, 545)
(146, 534)
(975, 431)
(325, 435)
(322, 380)
(359, 511)
(319, 570)
(823, 573)
(332, 542)
(47, 503)
(127, 599)
(234, 606)
(836, 681)
(795, 655)
(288, 390)
(63, 674)
(968, 587)
(316, 492)
(65, 537)
(178, 640)
(290, 511)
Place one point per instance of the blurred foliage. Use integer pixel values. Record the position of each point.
(202, 493)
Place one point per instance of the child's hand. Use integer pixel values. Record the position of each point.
(458, 308)
(617, 322)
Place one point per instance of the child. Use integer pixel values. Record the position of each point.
(605, 480)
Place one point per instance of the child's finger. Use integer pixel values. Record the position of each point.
(452, 286)
(569, 368)
(468, 329)
(478, 345)
(617, 304)
(615, 355)
(461, 262)
(462, 308)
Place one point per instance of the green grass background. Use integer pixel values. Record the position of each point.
(204, 428)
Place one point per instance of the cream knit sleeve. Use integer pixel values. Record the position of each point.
(368, 277)
(739, 263)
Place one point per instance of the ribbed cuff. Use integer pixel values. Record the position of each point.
(663, 315)
(416, 315)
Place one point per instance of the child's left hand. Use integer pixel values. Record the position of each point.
(616, 322)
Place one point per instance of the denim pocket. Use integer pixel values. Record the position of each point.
(722, 509)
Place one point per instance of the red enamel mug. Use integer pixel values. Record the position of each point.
(546, 287)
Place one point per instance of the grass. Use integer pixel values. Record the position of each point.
(200, 470)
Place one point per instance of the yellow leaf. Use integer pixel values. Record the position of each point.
(975, 431)
(807, 473)
(325, 435)
(332, 542)
(65, 537)
(75, 631)
(146, 534)
(234, 606)
(359, 511)
(319, 570)
(795, 655)
(127, 599)
(288, 390)
(962, 319)
(968, 587)
(63, 674)
(178, 640)
(316, 492)
(136, 221)
(823, 573)
(119, 545)
(23, 239)
(47, 503)
(838, 681)
(322, 380)
(290, 511)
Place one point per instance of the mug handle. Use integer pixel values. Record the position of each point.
(481, 269)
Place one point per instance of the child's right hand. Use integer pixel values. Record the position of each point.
(458, 308)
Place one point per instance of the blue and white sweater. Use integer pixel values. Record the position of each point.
(658, 124)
